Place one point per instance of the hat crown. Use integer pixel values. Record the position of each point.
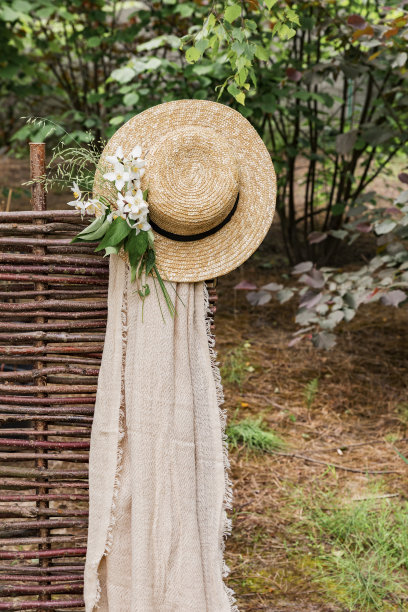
(192, 176)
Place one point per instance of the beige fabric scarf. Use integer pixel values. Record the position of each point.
(158, 469)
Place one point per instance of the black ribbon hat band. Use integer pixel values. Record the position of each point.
(193, 237)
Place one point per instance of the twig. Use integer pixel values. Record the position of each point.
(346, 446)
(335, 465)
(376, 496)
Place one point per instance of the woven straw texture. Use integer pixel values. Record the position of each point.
(199, 156)
(158, 469)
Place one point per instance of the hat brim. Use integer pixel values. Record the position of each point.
(230, 246)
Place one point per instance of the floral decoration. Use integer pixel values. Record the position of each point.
(122, 220)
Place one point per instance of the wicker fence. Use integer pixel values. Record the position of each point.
(52, 326)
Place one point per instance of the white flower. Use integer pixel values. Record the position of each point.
(134, 195)
(134, 164)
(142, 225)
(79, 205)
(119, 176)
(135, 206)
(132, 187)
(121, 206)
(136, 169)
(119, 211)
(96, 208)
(76, 191)
(113, 159)
(136, 152)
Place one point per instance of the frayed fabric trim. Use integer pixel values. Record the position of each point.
(119, 452)
(228, 491)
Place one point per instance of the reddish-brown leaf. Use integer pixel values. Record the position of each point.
(356, 21)
(246, 286)
(365, 228)
(391, 32)
(367, 31)
(293, 74)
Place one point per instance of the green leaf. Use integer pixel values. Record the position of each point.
(240, 98)
(242, 75)
(251, 25)
(185, 10)
(144, 291)
(261, 53)
(118, 230)
(270, 3)
(202, 45)
(7, 14)
(153, 63)
(150, 260)
(123, 75)
(117, 120)
(233, 90)
(285, 32)
(136, 246)
(232, 13)
(193, 54)
(92, 226)
(292, 16)
(22, 5)
(46, 12)
(131, 98)
(99, 232)
(153, 43)
(133, 270)
(94, 41)
(211, 20)
(113, 250)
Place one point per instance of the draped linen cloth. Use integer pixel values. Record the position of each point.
(158, 468)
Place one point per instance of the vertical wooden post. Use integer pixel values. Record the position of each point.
(38, 203)
(37, 169)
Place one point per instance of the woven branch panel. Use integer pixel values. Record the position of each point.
(52, 327)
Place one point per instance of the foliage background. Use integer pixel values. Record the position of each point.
(323, 82)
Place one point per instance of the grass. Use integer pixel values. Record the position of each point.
(358, 551)
(253, 435)
(310, 392)
(236, 365)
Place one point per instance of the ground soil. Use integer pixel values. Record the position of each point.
(362, 393)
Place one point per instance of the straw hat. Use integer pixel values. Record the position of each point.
(211, 185)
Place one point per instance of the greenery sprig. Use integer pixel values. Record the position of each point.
(121, 212)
